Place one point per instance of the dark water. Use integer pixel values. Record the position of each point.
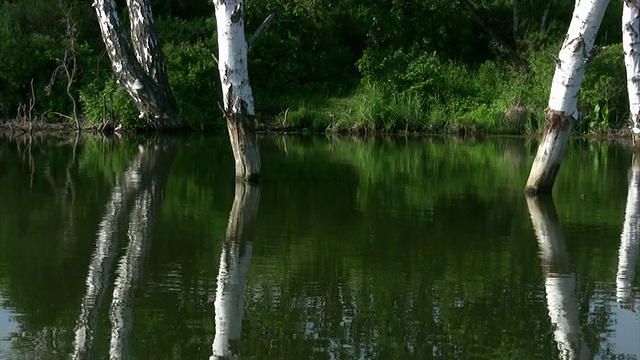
(349, 249)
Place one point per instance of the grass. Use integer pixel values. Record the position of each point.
(490, 99)
(374, 108)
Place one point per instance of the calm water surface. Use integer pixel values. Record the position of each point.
(348, 249)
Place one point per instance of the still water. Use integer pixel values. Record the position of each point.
(396, 248)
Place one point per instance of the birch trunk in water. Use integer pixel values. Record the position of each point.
(562, 112)
(631, 46)
(139, 67)
(233, 272)
(560, 282)
(237, 97)
(629, 239)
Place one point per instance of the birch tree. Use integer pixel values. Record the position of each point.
(139, 63)
(562, 112)
(631, 46)
(237, 98)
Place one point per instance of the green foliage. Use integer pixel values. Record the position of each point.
(376, 107)
(173, 30)
(32, 45)
(193, 77)
(392, 70)
(603, 97)
(104, 101)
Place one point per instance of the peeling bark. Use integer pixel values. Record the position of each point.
(233, 272)
(237, 97)
(139, 67)
(560, 281)
(631, 46)
(563, 112)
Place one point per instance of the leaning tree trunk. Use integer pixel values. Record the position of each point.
(562, 112)
(139, 68)
(237, 97)
(631, 45)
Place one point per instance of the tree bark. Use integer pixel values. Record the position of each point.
(139, 68)
(560, 281)
(562, 112)
(237, 97)
(631, 46)
(629, 239)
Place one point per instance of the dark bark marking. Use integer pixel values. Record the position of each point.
(558, 119)
(236, 15)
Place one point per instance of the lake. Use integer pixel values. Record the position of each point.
(349, 248)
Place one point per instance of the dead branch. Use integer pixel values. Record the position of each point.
(68, 64)
(261, 28)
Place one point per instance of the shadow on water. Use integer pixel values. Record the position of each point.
(134, 203)
(235, 259)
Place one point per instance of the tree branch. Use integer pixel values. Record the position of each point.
(261, 28)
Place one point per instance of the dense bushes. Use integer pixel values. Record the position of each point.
(374, 66)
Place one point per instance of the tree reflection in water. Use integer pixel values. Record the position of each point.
(629, 239)
(138, 196)
(560, 281)
(234, 271)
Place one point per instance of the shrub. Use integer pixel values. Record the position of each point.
(102, 100)
(193, 77)
(603, 98)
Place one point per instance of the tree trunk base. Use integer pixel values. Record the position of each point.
(636, 139)
(550, 153)
(245, 147)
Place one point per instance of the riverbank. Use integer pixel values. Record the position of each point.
(330, 117)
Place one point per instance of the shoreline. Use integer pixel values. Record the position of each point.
(22, 127)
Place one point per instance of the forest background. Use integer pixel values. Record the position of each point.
(391, 66)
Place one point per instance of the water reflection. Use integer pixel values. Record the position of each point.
(391, 249)
(233, 272)
(629, 239)
(560, 280)
(134, 202)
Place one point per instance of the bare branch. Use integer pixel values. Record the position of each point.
(543, 21)
(265, 24)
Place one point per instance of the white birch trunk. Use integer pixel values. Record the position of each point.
(233, 272)
(139, 68)
(560, 282)
(631, 46)
(562, 112)
(237, 97)
(629, 239)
